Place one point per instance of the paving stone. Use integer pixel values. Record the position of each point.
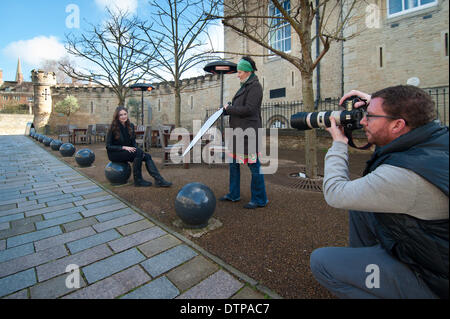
(15, 201)
(54, 288)
(92, 241)
(22, 294)
(27, 204)
(79, 224)
(26, 221)
(4, 226)
(66, 200)
(248, 293)
(7, 206)
(17, 282)
(96, 194)
(159, 245)
(3, 244)
(17, 231)
(83, 258)
(160, 288)
(111, 265)
(167, 260)
(192, 272)
(110, 201)
(64, 238)
(16, 252)
(51, 197)
(103, 209)
(116, 214)
(48, 210)
(45, 194)
(9, 218)
(63, 212)
(135, 227)
(58, 221)
(32, 260)
(88, 190)
(136, 239)
(113, 286)
(33, 236)
(22, 209)
(220, 285)
(93, 200)
(117, 222)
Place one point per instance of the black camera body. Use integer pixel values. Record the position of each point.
(348, 118)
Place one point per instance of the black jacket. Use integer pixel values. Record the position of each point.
(114, 145)
(421, 244)
(245, 110)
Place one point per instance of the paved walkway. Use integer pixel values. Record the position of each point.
(59, 230)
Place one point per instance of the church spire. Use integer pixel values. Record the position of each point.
(19, 75)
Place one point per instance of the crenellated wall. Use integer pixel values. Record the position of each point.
(97, 104)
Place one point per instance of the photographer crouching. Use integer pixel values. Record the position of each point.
(398, 218)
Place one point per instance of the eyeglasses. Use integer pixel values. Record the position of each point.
(366, 114)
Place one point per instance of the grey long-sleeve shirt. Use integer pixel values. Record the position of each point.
(388, 189)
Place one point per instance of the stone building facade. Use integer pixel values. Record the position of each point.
(97, 104)
(388, 49)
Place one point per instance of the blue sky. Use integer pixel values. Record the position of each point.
(34, 30)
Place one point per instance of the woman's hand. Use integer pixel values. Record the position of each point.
(129, 149)
(337, 133)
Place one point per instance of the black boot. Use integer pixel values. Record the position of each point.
(137, 173)
(153, 171)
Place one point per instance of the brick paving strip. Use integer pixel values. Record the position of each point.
(52, 217)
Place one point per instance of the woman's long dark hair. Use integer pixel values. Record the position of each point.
(115, 124)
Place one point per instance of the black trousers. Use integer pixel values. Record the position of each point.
(125, 156)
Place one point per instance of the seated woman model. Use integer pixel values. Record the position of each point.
(121, 147)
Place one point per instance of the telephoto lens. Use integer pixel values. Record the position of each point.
(309, 120)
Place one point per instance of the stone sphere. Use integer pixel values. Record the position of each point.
(41, 138)
(85, 157)
(195, 204)
(56, 144)
(67, 149)
(118, 172)
(47, 141)
(36, 136)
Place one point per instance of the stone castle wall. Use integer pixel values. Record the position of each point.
(97, 104)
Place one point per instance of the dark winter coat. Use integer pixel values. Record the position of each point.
(245, 113)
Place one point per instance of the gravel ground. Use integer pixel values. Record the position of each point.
(272, 244)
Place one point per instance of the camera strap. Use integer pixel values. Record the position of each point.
(348, 133)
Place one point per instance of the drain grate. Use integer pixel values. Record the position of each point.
(297, 179)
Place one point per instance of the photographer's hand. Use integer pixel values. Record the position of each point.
(362, 95)
(337, 133)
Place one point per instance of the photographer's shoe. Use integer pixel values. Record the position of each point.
(227, 198)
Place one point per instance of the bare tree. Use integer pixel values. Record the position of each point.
(257, 20)
(176, 36)
(55, 66)
(115, 54)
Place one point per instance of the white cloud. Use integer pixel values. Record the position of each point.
(215, 40)
(36, 50)
(129, 6)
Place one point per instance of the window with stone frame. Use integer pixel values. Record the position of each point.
(280, 30)
(400, 7)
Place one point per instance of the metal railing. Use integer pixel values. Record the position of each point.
(278, 114)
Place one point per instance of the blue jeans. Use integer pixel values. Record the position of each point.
(351, 272)
(258, 188)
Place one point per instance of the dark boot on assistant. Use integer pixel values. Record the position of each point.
(137, 172)
(153, 171)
